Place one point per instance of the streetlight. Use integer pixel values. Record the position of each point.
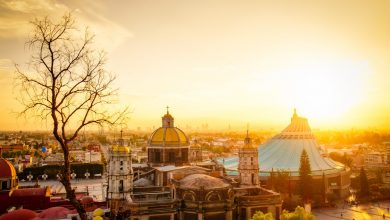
(30, 177)
(87, 174)
(44, 176)
(73, 175)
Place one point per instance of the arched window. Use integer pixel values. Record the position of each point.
(120, 185)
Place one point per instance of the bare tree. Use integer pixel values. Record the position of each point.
(66, 84)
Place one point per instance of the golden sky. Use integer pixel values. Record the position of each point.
(226, 62)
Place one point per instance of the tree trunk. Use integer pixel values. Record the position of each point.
(70, 193)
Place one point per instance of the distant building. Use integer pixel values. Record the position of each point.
(12, 147)
(57, 158)
(24, 162)
(77, 155)
(375, 159)
(357, 161)
(92, 157)
(93, 147)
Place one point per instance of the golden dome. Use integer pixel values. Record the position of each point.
(120, 149)
(168, 136)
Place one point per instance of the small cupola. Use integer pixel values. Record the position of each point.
(167, 120)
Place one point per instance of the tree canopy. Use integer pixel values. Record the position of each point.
(299, 214)
(261, 216)
(364, 186)
(305, 179)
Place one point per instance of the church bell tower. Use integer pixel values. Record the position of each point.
(120, 177)
(248, 166)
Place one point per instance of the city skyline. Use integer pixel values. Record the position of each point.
(225, 63)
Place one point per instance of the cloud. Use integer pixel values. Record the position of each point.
(5, 64)
(31, 6)
(15, 16)
(6, 69)
(109, 35)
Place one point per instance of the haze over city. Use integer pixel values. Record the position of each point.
(194, 110)
(225, 62)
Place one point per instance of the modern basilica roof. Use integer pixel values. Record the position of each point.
(283, 152)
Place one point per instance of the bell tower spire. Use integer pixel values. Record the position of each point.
(247, 141)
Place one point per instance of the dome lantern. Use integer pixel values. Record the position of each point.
(167, 120)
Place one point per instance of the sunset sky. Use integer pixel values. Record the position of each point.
(225, 62)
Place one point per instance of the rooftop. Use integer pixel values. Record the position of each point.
(198, 181)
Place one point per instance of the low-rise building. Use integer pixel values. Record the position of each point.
(92, 157)
(376, 159)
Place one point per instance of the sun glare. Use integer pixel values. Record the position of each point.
(327, 90)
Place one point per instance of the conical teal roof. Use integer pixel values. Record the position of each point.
(283, 151)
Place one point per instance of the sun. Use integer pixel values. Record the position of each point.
(326, 90)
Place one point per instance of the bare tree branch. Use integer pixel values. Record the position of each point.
(67, 83)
